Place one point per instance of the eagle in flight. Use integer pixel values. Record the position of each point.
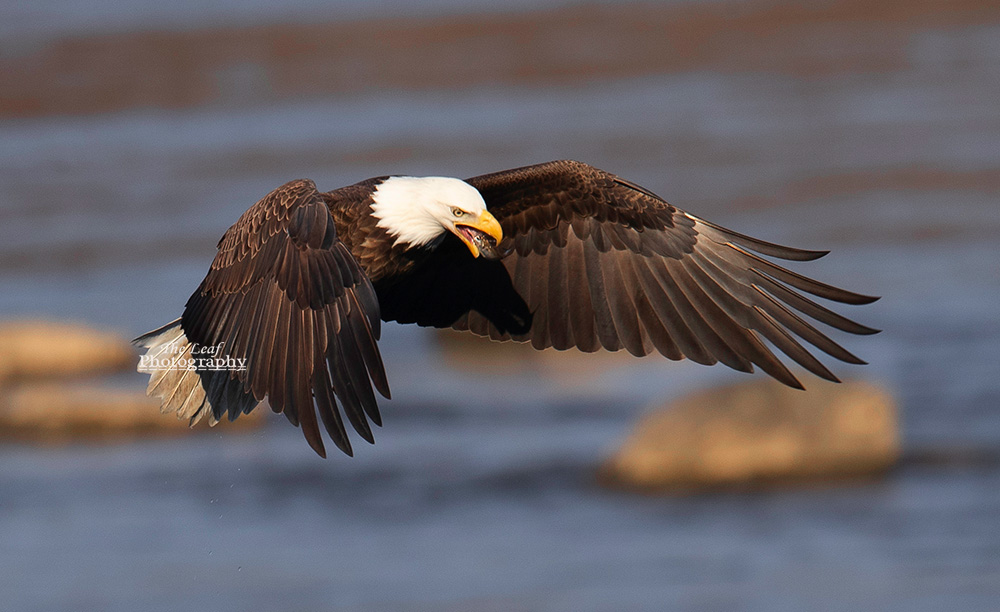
(559, 254)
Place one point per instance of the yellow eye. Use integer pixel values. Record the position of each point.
(458, 212)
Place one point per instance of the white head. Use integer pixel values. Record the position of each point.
(416, 211)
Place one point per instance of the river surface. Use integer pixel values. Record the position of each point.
(479, 493)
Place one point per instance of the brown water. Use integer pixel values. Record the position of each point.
(129, 142)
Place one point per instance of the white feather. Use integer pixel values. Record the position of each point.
(178, 386)
(418, 210)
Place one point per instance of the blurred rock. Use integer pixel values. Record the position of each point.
(468, 352)
(55, 412)
(33, 351)
(758, 433)
(46, 349)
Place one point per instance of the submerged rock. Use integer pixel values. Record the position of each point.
(38, 403)
(54, 412)
(757, 433)
(47, 349)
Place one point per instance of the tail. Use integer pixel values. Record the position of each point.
(172, 378)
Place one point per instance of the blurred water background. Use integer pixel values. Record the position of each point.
(131, 138)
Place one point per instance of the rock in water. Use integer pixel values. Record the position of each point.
(38, 404)
(66, 412)
(759, 432)
(47, 349)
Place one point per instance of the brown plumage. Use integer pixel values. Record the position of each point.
(587, 260)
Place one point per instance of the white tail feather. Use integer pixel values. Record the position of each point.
(171, 379)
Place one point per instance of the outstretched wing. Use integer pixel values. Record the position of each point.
(602, 262)
(292, 316)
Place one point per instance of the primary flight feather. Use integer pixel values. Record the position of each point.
(559, 254)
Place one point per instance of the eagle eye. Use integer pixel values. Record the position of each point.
(458, 212)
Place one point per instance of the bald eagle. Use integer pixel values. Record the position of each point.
(559, 254)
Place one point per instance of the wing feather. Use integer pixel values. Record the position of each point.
(622, 308)
(655, 311)
(561, 336)
(789, 320)
(538, 292)
(285, 298)
(581, 309)
(604, 324)
(602, 262)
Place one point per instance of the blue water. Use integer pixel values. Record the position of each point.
(233, 523)
(480, 492)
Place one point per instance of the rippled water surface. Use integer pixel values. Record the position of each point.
(479, 494)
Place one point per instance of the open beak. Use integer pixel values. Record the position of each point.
(485, 232)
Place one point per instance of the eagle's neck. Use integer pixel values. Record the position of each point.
(415, 210)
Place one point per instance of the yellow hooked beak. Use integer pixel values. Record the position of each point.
(470, 233)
